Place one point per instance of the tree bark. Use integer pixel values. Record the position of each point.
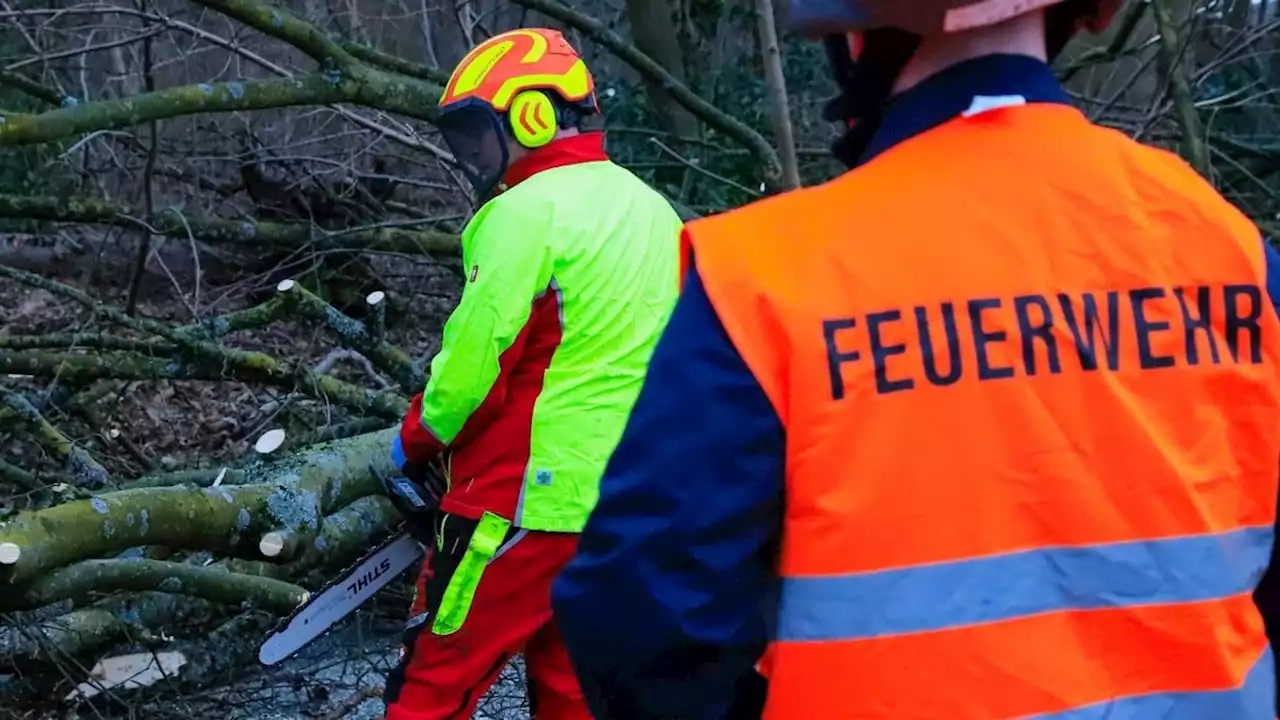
(654, 29)
(776, 86)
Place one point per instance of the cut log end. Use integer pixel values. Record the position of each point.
(9, 553)
(271, 544)
(269, 441)
(285, 285)
(281, 545)
(375, 297)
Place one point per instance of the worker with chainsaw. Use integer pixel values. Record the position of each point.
(571, 267)
(987, 427)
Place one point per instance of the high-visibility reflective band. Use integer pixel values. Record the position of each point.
(461, 591)
(1014, 669)
(1254, 700)
(1001, 587)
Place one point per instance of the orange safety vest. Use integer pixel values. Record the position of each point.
(1028, 374)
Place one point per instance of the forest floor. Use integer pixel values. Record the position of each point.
(339, 676)
(159, 425)
(154, 426)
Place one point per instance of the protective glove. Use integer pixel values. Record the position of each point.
(430, 475)
(416, 494)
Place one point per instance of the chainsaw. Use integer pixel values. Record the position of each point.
(317, 615)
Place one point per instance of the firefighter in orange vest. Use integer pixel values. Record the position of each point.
(987, 427)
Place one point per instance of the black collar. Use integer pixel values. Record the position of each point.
(951, 92)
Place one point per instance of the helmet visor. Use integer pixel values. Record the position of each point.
(474, 135)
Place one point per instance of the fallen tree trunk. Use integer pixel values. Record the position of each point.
(347, 534)
(292, 494)
(153, 568)
(162, 592)
(81, 582)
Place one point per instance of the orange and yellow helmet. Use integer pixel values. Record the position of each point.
(521, 85)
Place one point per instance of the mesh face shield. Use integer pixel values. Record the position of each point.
(473, 131)
(865, 66)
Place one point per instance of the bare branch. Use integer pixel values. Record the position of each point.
(284, 25)
(1194, 147)
(650, 69)
(173, 223)
(776, 87)
(33, 88)
(172, 102)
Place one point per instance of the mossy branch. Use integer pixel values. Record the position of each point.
(84, 340)
(196, 478)
(76, 634)
(355, 335)
(244, 364)
(386, 61)
(173, 102)
(86, 471)
(14, 475)
(173, 223)
(401, 92)
(341, 79)
(238, 365)
(83, 581)
(250, 318)
(347, 534)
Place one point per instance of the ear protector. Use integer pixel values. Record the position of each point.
(533, 118)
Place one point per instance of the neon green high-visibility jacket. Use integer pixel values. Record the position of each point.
(572, 272)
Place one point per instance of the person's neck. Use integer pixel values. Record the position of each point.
(515, 152)
(1023, 35)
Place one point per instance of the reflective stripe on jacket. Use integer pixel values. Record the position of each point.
(1028, 376)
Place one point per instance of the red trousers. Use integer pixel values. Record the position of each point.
(442, 677)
